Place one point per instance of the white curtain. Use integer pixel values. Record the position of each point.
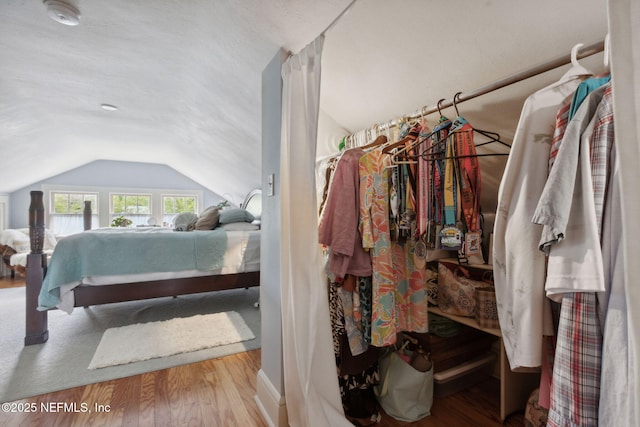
(624, 27)
(310, 379)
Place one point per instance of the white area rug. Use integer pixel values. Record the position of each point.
(144, 341)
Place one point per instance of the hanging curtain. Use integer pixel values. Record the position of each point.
(310, 380)
(622, 375)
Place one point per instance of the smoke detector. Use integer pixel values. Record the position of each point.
(62, 11)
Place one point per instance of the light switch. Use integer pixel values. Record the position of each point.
(270, 184)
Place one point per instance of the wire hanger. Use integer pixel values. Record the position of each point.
(430, 152)
(460, 121)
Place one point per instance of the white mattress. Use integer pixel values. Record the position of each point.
(242, 256)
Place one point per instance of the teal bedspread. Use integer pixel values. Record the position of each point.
(118, 253)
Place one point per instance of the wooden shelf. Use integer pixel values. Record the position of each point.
(455, 261)
(515, 387)
(468, 321)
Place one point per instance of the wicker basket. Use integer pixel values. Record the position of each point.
(487, 308)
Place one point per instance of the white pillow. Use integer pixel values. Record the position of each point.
(239, 226)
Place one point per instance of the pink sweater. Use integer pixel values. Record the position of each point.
(339, 223)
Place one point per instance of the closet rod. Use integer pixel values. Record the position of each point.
(589, 50)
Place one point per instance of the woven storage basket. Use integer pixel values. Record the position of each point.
(487, 308)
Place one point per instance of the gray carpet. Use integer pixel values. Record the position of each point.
(62, 361)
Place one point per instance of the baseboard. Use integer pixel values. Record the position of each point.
(271, 404)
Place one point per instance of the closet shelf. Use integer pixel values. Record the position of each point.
(515, 387)
(468, 321)
(456, 261)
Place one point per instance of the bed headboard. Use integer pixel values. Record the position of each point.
(253, 203)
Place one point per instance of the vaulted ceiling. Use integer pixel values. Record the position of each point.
(186, 75)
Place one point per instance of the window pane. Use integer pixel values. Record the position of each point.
(169, 204)
(130, 204)
(177, 204)
(72, 203)
(117, 201)
(190, 205)
(60, 203)
(76, 203)
(144, 205)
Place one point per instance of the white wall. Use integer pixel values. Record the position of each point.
(270, 382)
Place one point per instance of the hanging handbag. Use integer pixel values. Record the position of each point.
(405, 391)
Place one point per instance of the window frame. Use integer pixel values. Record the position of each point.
(196, 207)
(128, 194)
(95, 207)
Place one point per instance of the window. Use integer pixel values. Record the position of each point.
(67, 210)
(72, 203)
(136, 207)
(123, 204)
(178, 204)
(175, 204)
(143, 206)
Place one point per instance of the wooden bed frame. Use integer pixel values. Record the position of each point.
(36, 321)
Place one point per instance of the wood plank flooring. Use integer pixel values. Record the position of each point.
(217, 392)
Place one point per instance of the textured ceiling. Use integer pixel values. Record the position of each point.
(186, 75)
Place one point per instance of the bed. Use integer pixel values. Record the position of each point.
(115, 265)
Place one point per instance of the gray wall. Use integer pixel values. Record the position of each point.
(270, 249)
(107, 173)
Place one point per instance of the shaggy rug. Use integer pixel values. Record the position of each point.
(144, 341)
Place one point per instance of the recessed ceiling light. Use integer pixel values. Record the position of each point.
(108, 107)
(63, 11)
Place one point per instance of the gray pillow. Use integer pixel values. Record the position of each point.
(185, 221)
(229, 215)
(208, 219)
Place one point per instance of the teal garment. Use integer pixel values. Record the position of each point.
(119, 253)
(584, 89)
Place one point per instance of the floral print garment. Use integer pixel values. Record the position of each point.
(374, 228)
(411, 289)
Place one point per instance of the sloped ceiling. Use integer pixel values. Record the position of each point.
(186, 75)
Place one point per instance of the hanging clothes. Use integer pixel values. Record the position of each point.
(555, 210)
(338, 228)
(411, 289)
(518, 265)
(579, 267)
(423, 182)
(374, 228)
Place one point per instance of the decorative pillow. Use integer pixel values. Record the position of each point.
(240, 226)
(185, 221)
(229, 215)
(208, 219)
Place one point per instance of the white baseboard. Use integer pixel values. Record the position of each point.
(271, 404)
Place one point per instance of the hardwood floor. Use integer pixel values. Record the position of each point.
(217, 392)
(8, 282)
